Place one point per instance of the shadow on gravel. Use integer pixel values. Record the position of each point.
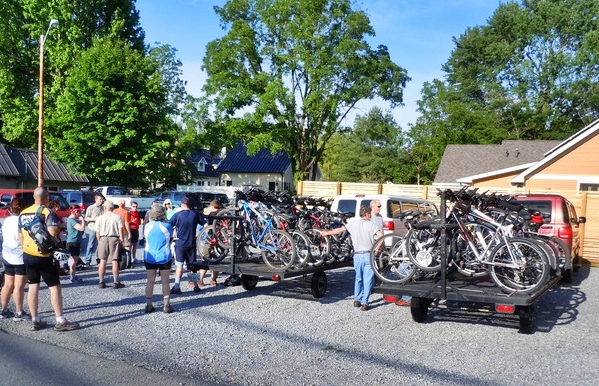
(558, 306)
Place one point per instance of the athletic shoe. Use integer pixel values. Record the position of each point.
(168, 309)
(176, 291)
(102, 285)
(36, 326)
(76, 280)
(66, 326)
(19, 316)
(196, 289)
(402, 303)
(5, 314)
(118, 285)
(149, 308)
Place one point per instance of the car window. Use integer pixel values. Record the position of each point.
(347, 206)
(570, 213)
(541, 206)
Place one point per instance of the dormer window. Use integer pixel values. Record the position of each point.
(202, 165)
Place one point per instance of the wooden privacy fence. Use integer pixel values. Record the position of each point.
(586, 204)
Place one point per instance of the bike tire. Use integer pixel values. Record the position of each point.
(528, 276)
(320, 247)
(424, 249)
(464, 258)
(302, 248)
(278, 249)
(389, 261)
(208, 246)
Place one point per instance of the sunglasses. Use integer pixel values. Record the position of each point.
(134, 206)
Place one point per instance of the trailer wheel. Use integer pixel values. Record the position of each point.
(527, 319)
(318, 285)
(249, 282)
(419, 309)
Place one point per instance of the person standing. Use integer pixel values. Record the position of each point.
(134, 224)
(91, 214)
(15, 275)
(41, 265)
(124, 213)
(377, 219)
(170, 209)
(363, 233)
(75, 229)
(158, 256)
(109, 233)
(211, 210)
(185, 222)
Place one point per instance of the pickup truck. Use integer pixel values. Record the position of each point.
(116, 193)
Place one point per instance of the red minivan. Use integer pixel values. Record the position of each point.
(559, 219)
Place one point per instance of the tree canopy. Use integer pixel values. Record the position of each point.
(531, 73)
(111, 101)
(288, 72)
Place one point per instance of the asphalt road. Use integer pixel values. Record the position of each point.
(30, 362)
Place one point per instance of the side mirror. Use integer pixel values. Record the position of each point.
(582, 220)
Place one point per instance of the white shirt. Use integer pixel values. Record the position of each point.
(12, 250)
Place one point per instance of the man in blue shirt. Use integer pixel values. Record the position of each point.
(185, 223)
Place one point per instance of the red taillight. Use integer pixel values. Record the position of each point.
(564, 232)
(388, 225)
(505, 308)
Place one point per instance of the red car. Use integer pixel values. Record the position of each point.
(558, 218)
(7, 195)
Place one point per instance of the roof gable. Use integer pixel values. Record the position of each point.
(238, 161)
(7, 167)
(26, 164)
(462, 161)
(558, 151)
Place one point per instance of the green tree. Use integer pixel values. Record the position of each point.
(22, 22)
(530, 73)
(372, 151)
(113, 122)
(288, 72)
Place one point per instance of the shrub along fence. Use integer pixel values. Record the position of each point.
(586, 204)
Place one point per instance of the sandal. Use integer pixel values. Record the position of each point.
(213, 283)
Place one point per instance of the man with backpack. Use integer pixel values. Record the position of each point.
(39, 262)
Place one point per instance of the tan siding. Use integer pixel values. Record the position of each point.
(583, 160)
(552, 184)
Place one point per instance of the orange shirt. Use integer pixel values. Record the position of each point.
(124, 213)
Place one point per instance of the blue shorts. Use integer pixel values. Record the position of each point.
(185, 255)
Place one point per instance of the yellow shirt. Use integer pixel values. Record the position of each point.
(29, 246)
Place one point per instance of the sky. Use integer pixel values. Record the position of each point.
(418, 33)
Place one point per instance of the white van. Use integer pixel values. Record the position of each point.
(391, 207)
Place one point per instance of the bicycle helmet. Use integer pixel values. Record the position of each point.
(61, 255)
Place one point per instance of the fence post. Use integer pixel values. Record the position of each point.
(582, 227)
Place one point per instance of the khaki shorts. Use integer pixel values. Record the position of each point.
(108, 248)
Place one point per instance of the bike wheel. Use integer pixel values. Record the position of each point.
(389, 261)
(342, 248)
(302, 248)
(465, 259)
(223, 228)
(208, 247)
(320, 247)
(278, 249)
(519, 266)
(423, 247)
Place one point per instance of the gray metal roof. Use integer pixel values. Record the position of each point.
(25, 162)
(7, 167)
(467, 160)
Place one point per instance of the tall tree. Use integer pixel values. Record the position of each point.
(113, 122)
(22, 22)
(372, 151)
(532, 72)
(288, 72)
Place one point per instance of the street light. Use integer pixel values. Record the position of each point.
(40, 140)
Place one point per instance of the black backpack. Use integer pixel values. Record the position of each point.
(38, 231)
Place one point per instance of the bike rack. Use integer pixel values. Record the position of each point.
(251, 271)
(464, 290)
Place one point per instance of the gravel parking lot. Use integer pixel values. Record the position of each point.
(279, 334)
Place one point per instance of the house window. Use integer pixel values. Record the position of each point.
(228, 183)
(589, 187)
(272, 186)
(200, 183)
(201, 166)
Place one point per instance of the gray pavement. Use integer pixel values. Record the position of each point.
(25, 361)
